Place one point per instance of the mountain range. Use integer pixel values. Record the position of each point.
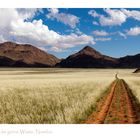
(90, 58)
(25, 55)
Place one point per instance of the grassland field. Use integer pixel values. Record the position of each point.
(55, 96)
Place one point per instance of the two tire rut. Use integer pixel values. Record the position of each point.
(117, 107)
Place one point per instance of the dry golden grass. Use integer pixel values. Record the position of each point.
(134, 84)
(52, 95)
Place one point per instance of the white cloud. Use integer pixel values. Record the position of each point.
(115, 16)
(132, 14)
(102, 39)
(14, 27)
(100, 33)
(93, 13)
(27, 13)
(133, 31)
(72, 40)
(67, 19)
(53, 10)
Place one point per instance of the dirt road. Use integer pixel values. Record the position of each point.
(119, 106)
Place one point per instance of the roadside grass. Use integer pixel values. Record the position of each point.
(133, 90)
(62, 98)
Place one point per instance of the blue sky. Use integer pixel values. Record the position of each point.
(113, 32)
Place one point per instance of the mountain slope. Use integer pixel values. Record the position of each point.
(130, 61)
(12, 54)
(88, 58)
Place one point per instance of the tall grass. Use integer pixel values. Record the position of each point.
(134, 84)
(50, 96)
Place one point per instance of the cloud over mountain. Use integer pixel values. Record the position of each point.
(18, 25)
(64, 30)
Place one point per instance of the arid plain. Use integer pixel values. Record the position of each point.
(56, 96)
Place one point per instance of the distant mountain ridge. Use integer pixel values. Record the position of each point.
(90, 58)
(13, 54)
(130, 61)
(25, 55)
